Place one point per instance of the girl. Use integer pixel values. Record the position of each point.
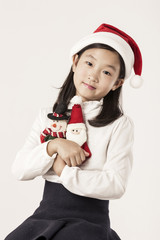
(77, 190)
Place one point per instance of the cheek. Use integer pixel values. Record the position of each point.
(106, 86)
(80, 73)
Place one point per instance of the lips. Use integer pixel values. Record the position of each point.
(89, 86)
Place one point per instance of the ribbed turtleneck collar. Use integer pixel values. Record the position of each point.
(89, 108)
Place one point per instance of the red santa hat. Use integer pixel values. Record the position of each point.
(76, 119)
(122, 43)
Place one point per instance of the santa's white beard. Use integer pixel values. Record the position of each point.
(78, 138)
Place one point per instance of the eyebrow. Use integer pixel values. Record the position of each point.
(107, 65)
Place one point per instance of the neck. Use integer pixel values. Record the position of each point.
(86, 99)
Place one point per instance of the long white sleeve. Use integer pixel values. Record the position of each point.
(111, 181)
(32, 159)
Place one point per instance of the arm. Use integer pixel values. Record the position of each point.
(111, 181)
(32, 159)
(58, 165)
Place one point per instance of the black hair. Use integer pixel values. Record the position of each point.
(111, 109)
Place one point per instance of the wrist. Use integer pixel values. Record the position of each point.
(52, 147)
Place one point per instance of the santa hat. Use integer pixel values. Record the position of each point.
(122, 43)
(76, 119)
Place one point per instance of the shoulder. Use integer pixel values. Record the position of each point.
(122, 132)
(123, 123)
(125, 119)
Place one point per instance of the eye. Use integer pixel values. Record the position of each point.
(107, 73)
(89, 63)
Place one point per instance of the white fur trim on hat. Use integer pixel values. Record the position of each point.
(112, 40)
(76, 125)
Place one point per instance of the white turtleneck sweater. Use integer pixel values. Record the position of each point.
(103, 176)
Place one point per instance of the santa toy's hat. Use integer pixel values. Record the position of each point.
(76, 118)
(122, 43)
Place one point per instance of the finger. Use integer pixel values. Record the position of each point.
(78, 160)
(73, 161)
(68, 162)
(83, 157)
(86, 153)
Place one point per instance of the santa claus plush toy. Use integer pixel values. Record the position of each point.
(76, 129)
(58, 126)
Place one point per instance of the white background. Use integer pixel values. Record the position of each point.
(35, 40)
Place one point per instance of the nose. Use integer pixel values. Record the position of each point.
(93, 76)
(54, 125)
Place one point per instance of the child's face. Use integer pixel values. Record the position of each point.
(96, 73)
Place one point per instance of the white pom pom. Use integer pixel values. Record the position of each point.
(77, 100)
(136, 81)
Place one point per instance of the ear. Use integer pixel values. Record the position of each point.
(75, 61)
(117, 84)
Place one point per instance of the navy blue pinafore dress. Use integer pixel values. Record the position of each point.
(63, 215)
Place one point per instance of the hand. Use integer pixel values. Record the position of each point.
(71, 152)
(58, 165)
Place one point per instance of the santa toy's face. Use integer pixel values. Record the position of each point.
(76, 133)
(59, 125)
